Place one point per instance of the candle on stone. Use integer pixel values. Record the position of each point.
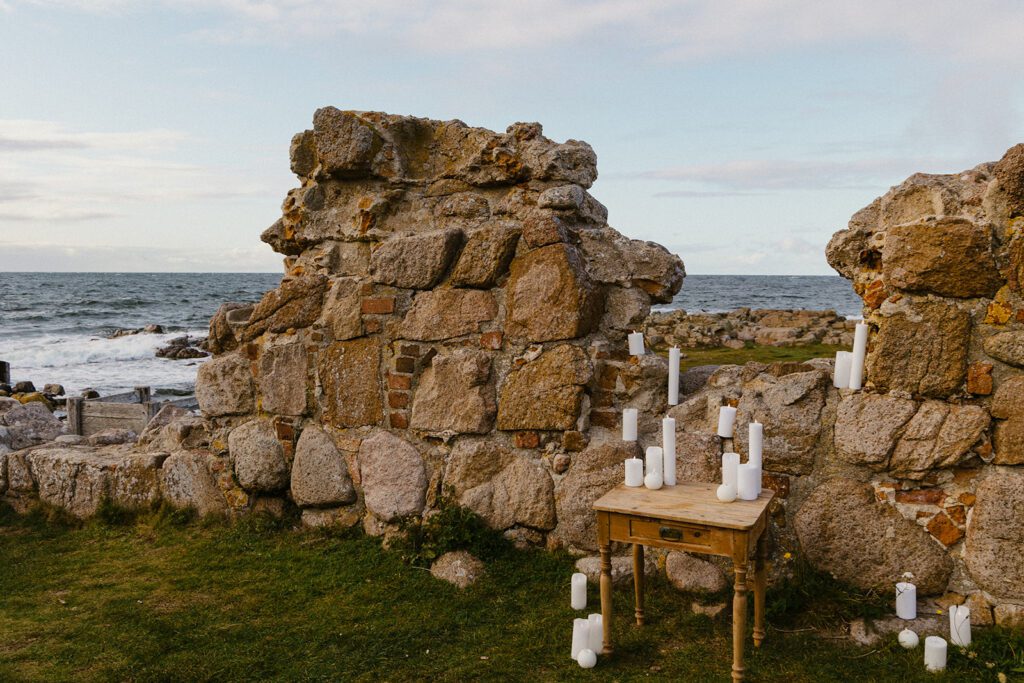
(841, 370)
(726, 419)
(580, 636)
(934, 653)
(673, 376)
(636, 343)
(596, 640)
(860, 350)
(906, 600)
(634, 472)
(668, 445)
(655, 460)
(578, 599)
(748, 479)
(960, 625)
(730, 468)
(629, 424)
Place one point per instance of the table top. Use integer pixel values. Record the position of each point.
(687, 502)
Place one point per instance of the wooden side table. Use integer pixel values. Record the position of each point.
(687, 517)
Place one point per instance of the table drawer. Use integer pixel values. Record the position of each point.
(668, 532)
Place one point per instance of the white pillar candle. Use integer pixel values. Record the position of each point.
(636, 344)
(730, 467)
(668, 446)
(629, 424)
(578, 600)
(934, 653)
(906, 600)
(653, 480)
(860, 350)
(634, 472)
(726, 419)
(755, 442)
(960, 625)
(596, 640)
(580, 636)
(841, 370)
(655, 460)
(673, 376)
(747, 481)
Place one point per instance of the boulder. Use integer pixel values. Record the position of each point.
(1009, 171)
(112, 436)
(868, 425)
(28, 424)
(346, 144)
(342, 313)
(187, 481)
(282, 378)
(486, 256)
(1008, 408)
(549, 296)
(612, 258)
(258, 457)
(350, 379)
(296, 303)
(415, 261)
(994, 550)
(546, 393)
(458, 568)
(1007, 347)
(456, 394)
(625, 308)
(343, 517)
(320, 475)
(622, 568)
(693, 574)
(224, 386)
(949, 257)
(939, 435)
(302, 153)
(393, 476)
(447, 313)
(845, 531)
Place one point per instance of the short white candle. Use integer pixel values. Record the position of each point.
(906, 600)
(653, 480)
(860, 350)
(636, 344)
(578, 599)
(587, 658)
(726, 419)
(656, 460)
(841, 371)
(596, 641)
(673, 376)
(726, 493)
(629, 424)
(580, 636)
(748, 481)
(960, 625)
(934, 653)
(634, 472)
(730, 468)
(668, 446)
(908, 639)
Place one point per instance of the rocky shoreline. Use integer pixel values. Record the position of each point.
(735, 329)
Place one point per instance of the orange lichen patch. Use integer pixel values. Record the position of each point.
(942, 528)
(998, 313)
(957, 513)
(874, 294)
(921, 496)
(979, 379)
(967, 499)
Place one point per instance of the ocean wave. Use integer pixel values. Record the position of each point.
(56, 351)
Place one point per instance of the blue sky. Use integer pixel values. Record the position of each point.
(149, 136)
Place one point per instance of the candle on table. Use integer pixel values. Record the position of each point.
(668, 445)
(634, 472)
(841, 371)
(578, 599)
(580, 636)
(629, 424)
(755, 447)
(860, 350)
(673, 376)
(960, 625)
(596, 639)
(655, 460)
(906, 600)
(726, 493)
(653, 480)
(747, 480)
(730, 467)
(934, 653)
(726, 419)
(636, 343)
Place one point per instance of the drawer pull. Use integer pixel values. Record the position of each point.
(670, 534)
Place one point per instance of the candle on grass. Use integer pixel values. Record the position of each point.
(668, 445)
(629, 424)
(580, 636)
(748, 481)
(673, 376)
(841, 371)
(960, 625)
(726, 419)
(596, 640)
(906, 600)
(730, 468)
(934, 653)
(578, 598)
(908, 639)
(860, 350)
(587, 658)
(636, 343)
(634, 472)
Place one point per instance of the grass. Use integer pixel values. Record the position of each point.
(163, 597)
(762, 354)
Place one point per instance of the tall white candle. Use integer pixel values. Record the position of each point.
(747, 481)
(841, 370)
(726, 419)
(596, 639)
(668, 445)
(636, 343)
(580, 636)
(934, 653)
(730, 469)
(960, 625)
(860, 350)
(755, 440)
(655, 460)
(906, 600)
(634, 472)
(629, 424)
(578, 599)
(673, 376)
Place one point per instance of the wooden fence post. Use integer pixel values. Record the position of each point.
(143, 394)
(74, 408)
(5, 372)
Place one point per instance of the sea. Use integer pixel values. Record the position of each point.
(55, 327)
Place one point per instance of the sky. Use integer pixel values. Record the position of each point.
(153, 136)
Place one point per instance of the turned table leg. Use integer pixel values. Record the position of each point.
(638, 581)
(739, 617)
(760, 583)
(606, 596)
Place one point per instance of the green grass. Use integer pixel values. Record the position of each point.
(761, 354)
(166, 598)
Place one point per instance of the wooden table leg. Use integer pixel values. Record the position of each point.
(760, 583)
(606, 596)
(739, 616)
(638, 581)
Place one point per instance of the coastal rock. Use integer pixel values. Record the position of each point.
(320, 472)
(349, 375)
(868, 426)
(843, 530)
(1007, 347)
(939, 435)
(28, 424)
(393, 476)
(1009, 171)
(994, 550)
(345, 144)
(486, 256)
(415, 261)
(447, 313)
(224, 386)
(296, 303)
(1008, 408)
(258, 457)
(458, 568)
(77, 479)
(546, 393)
(694, 575)
(949, 257)
(112, 437)
(53, 390)
(187, 481)
(456, 394)
(549, 296)
(282, 378)
(615, 259)
(182, 348)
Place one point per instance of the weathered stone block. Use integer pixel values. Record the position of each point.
(1009, 171)
(282, 378)
(625, 308)
(187, 481)
(29, 424)
(1008, 408)
(415, 261)
(949, 257)
(549, 296)
(320, 473)
(868, 425)
(303, 154)
(342, 312)
(939, 435)
(456, 394)
(546, 393)
(1007, 347)
(694, 575)
(393, 476)
(224, 386)
(612, 258)
(445, 313)
(994, 550)
(345, 143)
(350, 378)
(258, 457)
(486, 256)
(296, 303)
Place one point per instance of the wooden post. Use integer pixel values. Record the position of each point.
(5, 372)
(638, 581)
(143, 394)
(74, 408)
